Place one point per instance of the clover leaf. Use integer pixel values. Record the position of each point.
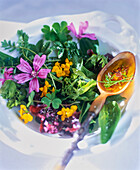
(56, 103)
(51, 99)
(59, 32)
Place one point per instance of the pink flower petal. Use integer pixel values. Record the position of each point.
(83, 27)
(43, 73)
(8, 77)
(38, 62)
(34, 85)
(72, 29)
(2, 81)
(9, 71)
(90, 36)
(22, 78)
(24, 66)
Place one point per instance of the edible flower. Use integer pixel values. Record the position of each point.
(53, 90)
(30, 74)
(7, 75)
(63, 69)
(67, 112)
(82, 28)
(45, 88)
(24, 114)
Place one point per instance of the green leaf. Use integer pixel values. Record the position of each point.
(108, 119)
(7, 60)
(46, 101)
(8, 89)
(22, 38)
(63, 25)
(8, 45)
(56, 27)
(88, 73)
(118, 98)
(11, 104)
(21, 94)
(49, 96)
(86, 44)
(56, 103)
(84, 110)
(90, 95)
(59, 32)
(86, 87)
(80, 73)
(30, 98)
(45, 29)
(39, 45)
(94, 59)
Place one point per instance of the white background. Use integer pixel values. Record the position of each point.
(29, 10)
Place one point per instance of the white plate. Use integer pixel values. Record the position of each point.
(115, 35)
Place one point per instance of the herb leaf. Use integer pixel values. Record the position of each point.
(15, 94)
(30, 98)
(86, 44)
(56, 103)
(94, 59)
(59, 32)
(108, 119)
(7, 60)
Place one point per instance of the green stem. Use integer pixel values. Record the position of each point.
(26, 56)
(111, 82)
(28, 50)
(70, 104)
(37, 101)
(51, 61)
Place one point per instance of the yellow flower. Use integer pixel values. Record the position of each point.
(68, 62)
(63, 70)
(27, 118)
(23, 110)
(74, 107)
(44, 91)
(57, 64)
(45, 88)
(55, 69)
(47, 84)
(24, 114)
(62, 65)
(53, 89)
(67, 112)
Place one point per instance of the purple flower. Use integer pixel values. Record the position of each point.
(30, 74)
(7, 75)
(82, 28)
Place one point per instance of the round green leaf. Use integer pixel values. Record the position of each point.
(56, 103)
(46, 101)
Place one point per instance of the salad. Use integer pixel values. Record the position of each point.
(54, 80)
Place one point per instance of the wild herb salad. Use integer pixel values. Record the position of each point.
(54, 80)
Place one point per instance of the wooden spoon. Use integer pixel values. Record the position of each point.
(123, 63)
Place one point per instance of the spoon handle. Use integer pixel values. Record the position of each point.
(80, 135)
(98, 103)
